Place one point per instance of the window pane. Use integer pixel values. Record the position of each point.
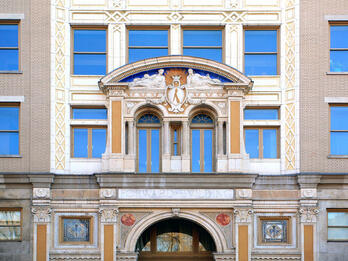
(149, 118)
(207, 53)
(261, 114)
(339, 61)
(92, 114)
(89, 64)
(252, 143)
(174, 242)
(9, 118)
(337, 233)
(89, 40)
(202, 38)
(261, 64)
(155, 147)
(148, 38)
(8, 35)
(80, 143)
(142, 155)
(12, 218)
(339, 118)
(9, 143)
(261, 41)
(144, 53)
(270, 143)
(98, 142)
(196, 150)
(339, 36)
(10, 233)
(9, 60)
(208, 150)
(339, 143)
(337, 218)
(202, 118)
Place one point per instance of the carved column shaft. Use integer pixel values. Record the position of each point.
(131, 137)
(185, 138)
(220, 138)
(166, 142)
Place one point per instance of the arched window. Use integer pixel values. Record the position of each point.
(149, 145)
(202, 143)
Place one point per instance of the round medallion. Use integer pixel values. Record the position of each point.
(223, 219)
(128, 219)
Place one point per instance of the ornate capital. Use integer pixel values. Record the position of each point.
(308, 214)
(108, 215)
(243, 215)
(41, 193)
(41, 214)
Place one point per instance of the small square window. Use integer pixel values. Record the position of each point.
(76, 230)
(337, 223)
(9, 129)
(9, 46)
(10, 224)
(339, 130)
(89, 51)
(262, 142)
(261, 51)
(339, 47)
(274, 230)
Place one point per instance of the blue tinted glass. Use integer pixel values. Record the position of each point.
(261, 64)
(89, 64)
(202, 38)
(98, 142)
(261, 114)
(155, 147)
(339, 118)
(148, 38)
(143, 53)
(252, 143)
(142, 155)
(81, 143)
(261, 41)
(9, 35)
(9, 143)
(339, 36)
(196, 151)
(339, 61)
(93, 114)
(208, 150)
(175, 149)
(202, 118)
(270, 143)
(339, 143)
(212, 54)
(9, 60)
(9, 118)
(148, 118)
(89, 40)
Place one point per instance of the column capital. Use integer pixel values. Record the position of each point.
(243, 215)
(108, 215)
(308, 214)
(42, 214)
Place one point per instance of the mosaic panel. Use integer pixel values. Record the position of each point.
(274, 231)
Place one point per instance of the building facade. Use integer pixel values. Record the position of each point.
(173, 130)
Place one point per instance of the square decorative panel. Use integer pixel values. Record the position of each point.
(76, 230)
(274, 230)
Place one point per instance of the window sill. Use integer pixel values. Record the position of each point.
(337, 156)
(264, 76)
(11, 72)
(265, 160)
(86, 159)
(338, 241)
(87, 75)
(336, 73)
(10, 156)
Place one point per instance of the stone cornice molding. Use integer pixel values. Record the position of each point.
(308, 181)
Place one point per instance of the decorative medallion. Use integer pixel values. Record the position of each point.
(223, 219)
(176, 91)
(128, 219)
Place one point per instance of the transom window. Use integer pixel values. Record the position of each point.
(339, 130)
(149, 145)
(147, 43)
(89, 51)
(202, 149)
(10, 224)
(9, 47)
(9, 129)
(339, 47)
(337, 222)
(203, 43)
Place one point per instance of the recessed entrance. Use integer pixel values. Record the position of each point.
(175, 240)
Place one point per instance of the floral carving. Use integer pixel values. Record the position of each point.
(41, 214)
(243, 215)
(41, 193)
(108, 214)
(309, 214)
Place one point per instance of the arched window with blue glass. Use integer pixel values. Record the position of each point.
(202, 143)
(149, 143)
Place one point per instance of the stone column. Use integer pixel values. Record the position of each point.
(185, 158)
(243, 219)
(166, 142)
(131, 148)
(220, 138)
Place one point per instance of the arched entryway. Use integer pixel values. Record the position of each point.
(175, 239)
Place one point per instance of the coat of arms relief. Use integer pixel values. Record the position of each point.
(177, 83)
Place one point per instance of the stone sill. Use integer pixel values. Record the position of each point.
(336, 73)
(11, 156)
(11, 72)
(337, 156)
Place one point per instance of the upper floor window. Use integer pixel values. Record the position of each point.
(339, 130)
(337, 224)
(9, 129)
(9, 47)
(90, 51)
(339, 47)
(203, 43)
(10, 224)
(149, 143)
(261, 51)
(147, 43)
(202, 149)
(88, 136)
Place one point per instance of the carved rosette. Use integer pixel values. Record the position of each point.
(108, 215)
(308, 214)
(243, 215)
(41, 193)
(107, 193)
(41, 214)
(308, 193)
(244, 193)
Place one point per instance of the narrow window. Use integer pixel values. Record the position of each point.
(9, 47)
(339, 47)
(339, 130)
(9, 129)
(176, 138)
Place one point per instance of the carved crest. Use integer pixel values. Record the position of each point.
(176, 91)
